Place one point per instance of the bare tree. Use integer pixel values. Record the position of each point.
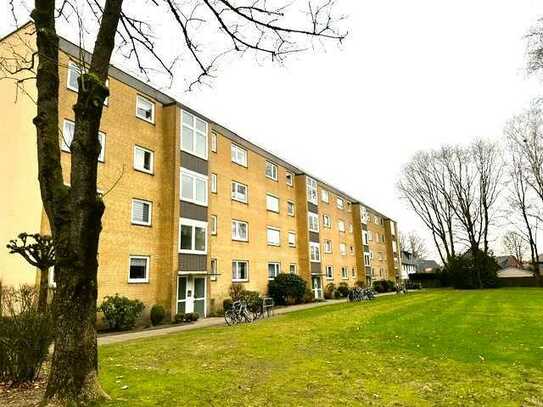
(515, 244)
(75, 211)
(39, 251)
(414, 244)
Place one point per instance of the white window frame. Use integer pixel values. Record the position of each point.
(329, 272)
(102, 141)
(295, 268)
(340, 203)
(273, 229)
(214, 138)
(214, 271)
(137, 222)
(365, 238)
(194, 175)
(246, 262)
(325, 196)
(277, 267)
(291, 234)
(351, 250)
(343, 249)
(235, 238)
(327, 246)
(341, 225)
(67, 148)
(143, 98)
(193, 224)
(213, 185)
(353, 272)
(311, 190)
(364, 215)
(317, 258)
(290, 178)
(195, 132)
(234, 150)
(367, 259)
(344, 273)
(370, 236)
(292, 205)
(275, 171)
(326, 221)
(214, 225)
(310, 224)
(69, 75)
(274, 199)
(147, 269)
(234, 197)
(152, 160)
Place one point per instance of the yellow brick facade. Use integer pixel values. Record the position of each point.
(168, 268)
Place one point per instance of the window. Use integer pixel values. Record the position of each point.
(143, 159)
(239, 155)
(376, 219)
(365, 237)
(327, 246)
(343, 249)
(394, 246)
(193, 187)
(74, 71)
(330, 272)
(350, 228)
(213, 224)
(141, 212)
(272, 203)
(340, 203)
(314, 252)
(377, 239)
(325, 196)
(214, 183)
(214, 142)
(364, 216)
(392, 228)
(138, 271)
(292, 269)
(367, 260)
(67, 138)
(351, 250)
(344, 273)
(292, 239)
(290, 179)
(341, 225)
(145, 109)
(192, 236)
(326, 222)
(273, 236)
(291, 209)
(382, 238)
(353, 273)
(312, 190)
(273, 270)
(370, 235)
(239, 192)
(313, 222)
(214, 270)
(240, 230)
(194, 135)
(271, 170)
(240, 270)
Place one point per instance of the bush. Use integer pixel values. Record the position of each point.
(329, 291)
(227, 304)
(179, 318)
(235, 291)
(343, 290)
(379, 286)
(25, 335)
(121, 313)
(472, 271)
(309, 296)
(191, 316)
(286, 289)
(391, 285)
(157, 314)
(253, 299)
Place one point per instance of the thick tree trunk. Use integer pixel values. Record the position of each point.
(44, 288)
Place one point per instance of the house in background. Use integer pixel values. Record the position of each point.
(516, 277)
(427, 266)
(508, 261)
(409, 262)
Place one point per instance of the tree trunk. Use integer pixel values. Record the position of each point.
(44, 288)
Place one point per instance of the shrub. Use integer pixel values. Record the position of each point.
(25, 335)
(473, 271)
(391, 285)
(191, 317)
(253, 299)
(179, 318)
(227, 304)
(157, 314)
(379, 286)
(287, 289)
(121, 313)
(329, 291)
(235, 291)
(343, 289)
(309, 296)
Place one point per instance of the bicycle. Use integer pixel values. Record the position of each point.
(238, 313)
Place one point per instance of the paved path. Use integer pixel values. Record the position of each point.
(203, 323)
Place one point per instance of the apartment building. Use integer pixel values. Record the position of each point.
(191, 207)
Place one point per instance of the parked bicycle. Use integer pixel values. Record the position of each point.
(361, 294)
(238, 313)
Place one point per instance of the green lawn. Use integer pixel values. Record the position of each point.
(432, 348)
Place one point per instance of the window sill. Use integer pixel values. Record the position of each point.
(138, 281)
(142, 224)
(240, 201)
(152, 122)
(240, 241)
(240, 281)
(204, 157)
(144, 171)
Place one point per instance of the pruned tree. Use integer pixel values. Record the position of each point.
(75, 211)
(515, 245)
(414, 243)
(39, 251)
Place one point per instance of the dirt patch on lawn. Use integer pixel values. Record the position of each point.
(24, 395)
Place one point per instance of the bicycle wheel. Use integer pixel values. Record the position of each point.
(230, 317)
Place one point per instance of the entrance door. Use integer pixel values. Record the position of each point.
(317, 287)
(191, 295)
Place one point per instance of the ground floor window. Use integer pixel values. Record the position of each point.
(273, 270)
(139, 269)
(240, 270)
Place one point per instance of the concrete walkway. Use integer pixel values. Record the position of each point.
(206, 322)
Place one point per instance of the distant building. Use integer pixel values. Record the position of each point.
(427, 266)
(409, 262)
(508, 261)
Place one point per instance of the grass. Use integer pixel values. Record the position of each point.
(435, 348)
